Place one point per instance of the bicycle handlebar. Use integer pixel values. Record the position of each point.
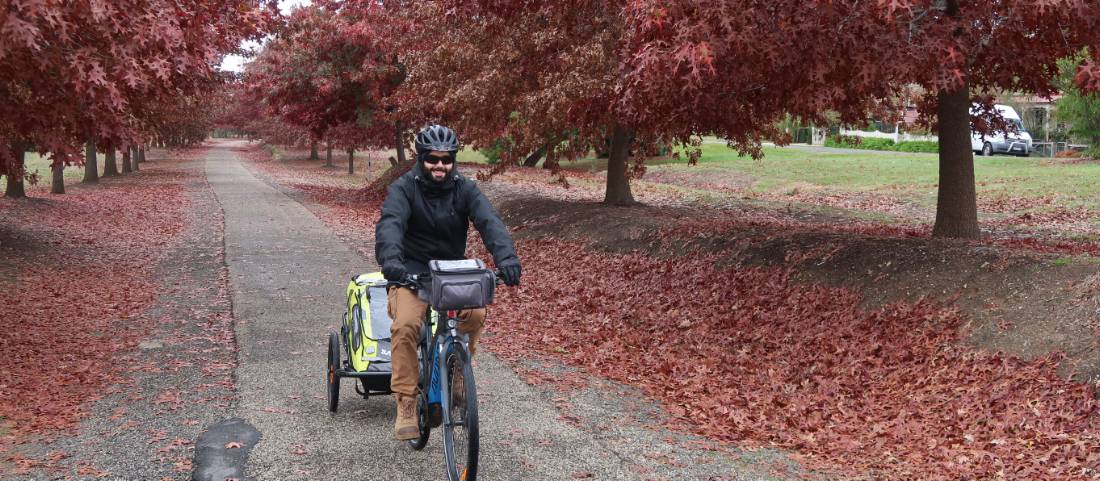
(416, 281)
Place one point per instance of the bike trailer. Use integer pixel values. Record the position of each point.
(366, 332)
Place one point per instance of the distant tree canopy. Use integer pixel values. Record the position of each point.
(114, 73)
(327, 75)
(563, 78)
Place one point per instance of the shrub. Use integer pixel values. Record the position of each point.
(843, 141)
(926, 146)
(872, 143)
(494, 150)
(274, 150)
(851, 142)
(1092, 152)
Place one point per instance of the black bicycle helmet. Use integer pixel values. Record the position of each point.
(436, 137)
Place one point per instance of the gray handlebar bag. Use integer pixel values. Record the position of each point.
(461, 284)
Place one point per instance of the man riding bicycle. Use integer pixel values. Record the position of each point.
(426, 216)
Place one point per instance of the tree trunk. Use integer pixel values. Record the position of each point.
(618, 186)
(957, 203)
(313, 151)
(110, 169)
(91, 164)
(141, 154)
(328, 157)
(134, 159)
(351, 161)
(536, 156)
(58, 184)
(399, 142)
(15, 179)
(126, 167)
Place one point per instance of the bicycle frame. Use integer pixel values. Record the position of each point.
(439, 344)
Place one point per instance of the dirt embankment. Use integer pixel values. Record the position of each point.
(1019, 302)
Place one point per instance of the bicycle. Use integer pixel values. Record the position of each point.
(444, 364)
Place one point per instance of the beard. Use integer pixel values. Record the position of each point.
(436, 173)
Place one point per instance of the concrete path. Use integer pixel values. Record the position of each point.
(288, 273)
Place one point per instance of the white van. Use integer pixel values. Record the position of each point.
(1017, 143)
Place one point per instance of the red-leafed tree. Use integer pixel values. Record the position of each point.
(570, 77)
(1088, 74)
(539, 75)
(735, 68)
(244, 112)
(79, 71)
(963, 52)
(323, 74)
(959, 52)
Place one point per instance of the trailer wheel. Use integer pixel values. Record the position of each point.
(333, 372)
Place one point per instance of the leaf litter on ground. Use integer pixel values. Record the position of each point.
(75, 309)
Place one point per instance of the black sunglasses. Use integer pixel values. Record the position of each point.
(431, 159)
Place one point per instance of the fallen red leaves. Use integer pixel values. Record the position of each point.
(80, 276)
(746, 355)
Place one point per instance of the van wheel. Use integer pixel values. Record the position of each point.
(987, 149)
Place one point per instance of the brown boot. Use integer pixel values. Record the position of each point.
(405, 428)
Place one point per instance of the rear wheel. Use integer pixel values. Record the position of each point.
(987, 149)
(333, 376)
(460, 430)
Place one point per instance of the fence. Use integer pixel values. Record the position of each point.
(1050, 149)
(896, 136)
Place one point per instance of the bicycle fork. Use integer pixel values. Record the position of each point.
(438, 363)
(443, 350)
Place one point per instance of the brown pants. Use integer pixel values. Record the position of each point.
(407, 312)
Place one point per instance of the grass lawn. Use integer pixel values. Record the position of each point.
(470, 155)
(41, 165)
(900, 174)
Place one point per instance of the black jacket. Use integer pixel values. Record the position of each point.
(424, 220)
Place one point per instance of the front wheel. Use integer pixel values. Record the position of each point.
(987, 149)
(460, 430)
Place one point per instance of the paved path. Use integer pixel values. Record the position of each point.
(288, 272)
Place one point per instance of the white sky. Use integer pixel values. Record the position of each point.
(235, 63)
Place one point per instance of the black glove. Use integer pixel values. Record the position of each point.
(394, 271)
(510, 273)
